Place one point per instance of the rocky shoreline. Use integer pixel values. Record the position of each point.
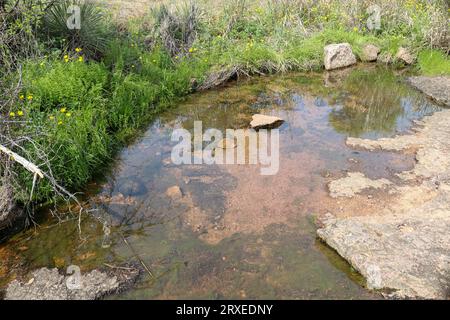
(406, 247)
(53, 284)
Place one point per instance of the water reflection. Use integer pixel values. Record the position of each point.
(376, 103)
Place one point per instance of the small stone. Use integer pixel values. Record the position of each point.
(260, 121)
(405, 56)
(174, 193)
(370, 53)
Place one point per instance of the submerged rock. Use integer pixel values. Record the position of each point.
(338, 56)
(436, 88)
(370, 53)
(49, 284)
(132, 186)
(354, 183)
(174, 193)
(260, 121)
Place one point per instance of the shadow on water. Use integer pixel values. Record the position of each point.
(234, 233)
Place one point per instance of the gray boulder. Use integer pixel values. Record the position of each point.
(370, 53)
(338, 56)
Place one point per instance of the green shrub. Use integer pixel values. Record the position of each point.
(130, 102)
(57, 84)
(93, 34)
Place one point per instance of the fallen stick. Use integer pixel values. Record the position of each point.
(24, 162)
(39, 173)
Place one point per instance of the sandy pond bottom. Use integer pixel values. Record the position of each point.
(235, 233)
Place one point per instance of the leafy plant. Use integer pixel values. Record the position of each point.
(93, 34)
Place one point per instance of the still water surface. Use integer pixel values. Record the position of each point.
(236, 233)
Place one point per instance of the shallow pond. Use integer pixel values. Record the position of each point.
(235, 233)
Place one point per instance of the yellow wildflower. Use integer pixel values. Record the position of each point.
(80, 59)
(21, 97)
(68, 114)
(51, 118)
(78, 49)
(20, 113)
(30, 97)
(191, 50)
(63, 110)
(66, 58)
(60, 123)
(12, 114)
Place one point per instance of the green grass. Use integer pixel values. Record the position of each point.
(433, 63)
(81, 112)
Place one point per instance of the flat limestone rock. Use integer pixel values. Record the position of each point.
(409, 253)
(436, 88)
(353, 184)
(406, 246)
(50, 284)
(261, 121)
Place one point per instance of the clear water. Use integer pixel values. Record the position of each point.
(235, 233)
